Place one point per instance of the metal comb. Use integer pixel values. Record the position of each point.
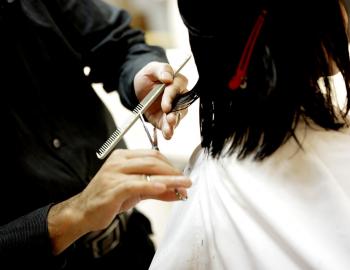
(146, 102)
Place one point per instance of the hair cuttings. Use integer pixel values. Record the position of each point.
(283, 78)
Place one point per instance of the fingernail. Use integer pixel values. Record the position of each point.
(165, 131)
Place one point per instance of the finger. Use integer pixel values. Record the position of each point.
(174, 118)
(168, 195)
(141, 189)
(179, 86)
(160, 187)
(156, 71)
(147, 165)
(170, 122)
(181, 194)
(166, 74)
(171, 181)
(138, 153)
(167, 129)
(176, 186)
(153, 73)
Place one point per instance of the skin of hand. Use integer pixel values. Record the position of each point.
(118, 186)
(159, 112)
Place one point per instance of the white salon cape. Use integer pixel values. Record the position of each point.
(291, 211)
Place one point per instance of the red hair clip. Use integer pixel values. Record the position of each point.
(239, 79)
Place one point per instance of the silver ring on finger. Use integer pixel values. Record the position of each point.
(148, 178)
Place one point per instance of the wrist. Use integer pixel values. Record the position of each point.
(64, 225)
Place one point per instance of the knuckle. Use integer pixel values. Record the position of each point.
(151, 164)
(118, 153)
(182, 78)
(128, 187)
(155, 154)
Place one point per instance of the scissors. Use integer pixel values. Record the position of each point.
(154, 143)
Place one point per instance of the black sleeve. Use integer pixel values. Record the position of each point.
(26, 241)
(113, 50)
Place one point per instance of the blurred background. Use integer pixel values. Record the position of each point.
(161, 22)
(159, 19)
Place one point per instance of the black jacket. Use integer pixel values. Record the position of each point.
(52, 120)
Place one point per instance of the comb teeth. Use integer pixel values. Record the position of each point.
(138, 108)
(111, 142)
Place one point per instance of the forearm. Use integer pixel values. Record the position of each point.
(26, 235)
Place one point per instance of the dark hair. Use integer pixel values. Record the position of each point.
(292, 54)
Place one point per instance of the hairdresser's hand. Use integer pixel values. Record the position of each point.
(159, 113)
(119, 185)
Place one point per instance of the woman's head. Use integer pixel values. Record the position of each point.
(296, 44)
